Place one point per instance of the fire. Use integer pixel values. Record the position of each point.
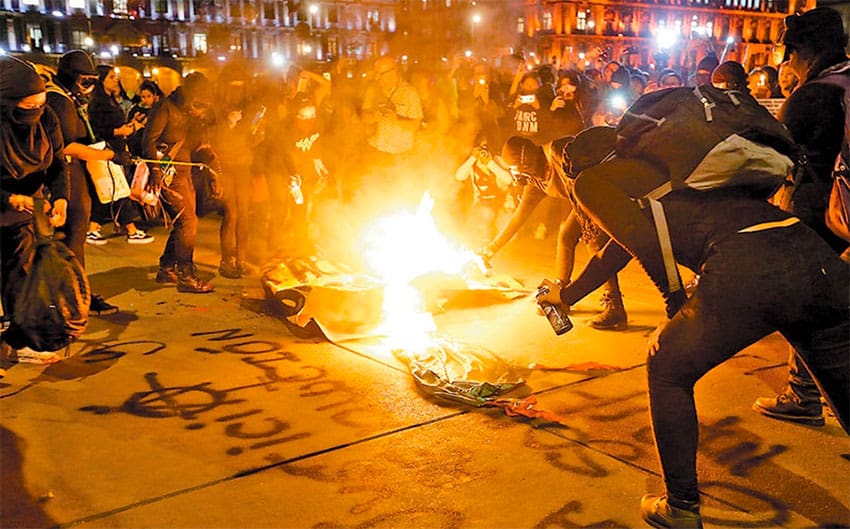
(398, 249)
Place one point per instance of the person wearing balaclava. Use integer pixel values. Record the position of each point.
(814, 48)
(68, 98)
(31, 160)
(178, 131)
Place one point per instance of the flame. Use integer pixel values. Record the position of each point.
(399, 248)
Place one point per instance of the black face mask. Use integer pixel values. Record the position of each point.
(26, 116)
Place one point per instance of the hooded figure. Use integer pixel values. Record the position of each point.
(31, 159)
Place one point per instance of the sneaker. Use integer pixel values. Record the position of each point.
(100, 307)
(139, 237)
(96, 238)
(28, 356)
(658, 512)
(788, 406)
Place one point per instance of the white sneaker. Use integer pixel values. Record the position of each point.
(140, 237)
(28, 356)
(96, 238)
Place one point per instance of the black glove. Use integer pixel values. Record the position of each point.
(122, 157)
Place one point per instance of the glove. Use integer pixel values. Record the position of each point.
(122, 157)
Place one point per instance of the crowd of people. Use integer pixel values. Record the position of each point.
(277, 157)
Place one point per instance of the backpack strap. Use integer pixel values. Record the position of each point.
(674, 282)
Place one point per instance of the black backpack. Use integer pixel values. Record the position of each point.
(707, 138)
(52, 307)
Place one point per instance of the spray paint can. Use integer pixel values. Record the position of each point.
(557, 318)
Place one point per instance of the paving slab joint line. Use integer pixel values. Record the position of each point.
(252, 471)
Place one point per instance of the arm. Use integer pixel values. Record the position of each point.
(604, 264)
(531, 197)
(464, 172)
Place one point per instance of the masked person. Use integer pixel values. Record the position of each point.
(177, 130)
(68, 98)
(761, 270)
(31, 162)
(813, 45)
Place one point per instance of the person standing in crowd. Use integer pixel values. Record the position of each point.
(32, 164)
(177, 130)
(814, 44)
(235, 137)
(393, 111)
(730, 75)
(788, 80)
(109, 124)
(489, 181)
(149, 95)
(706, 65)
(68, 98)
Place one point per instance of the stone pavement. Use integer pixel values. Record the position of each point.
(202, 411)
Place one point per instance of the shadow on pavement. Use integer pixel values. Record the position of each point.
(17, 507)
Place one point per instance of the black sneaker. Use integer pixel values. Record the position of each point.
(99, 306)
(788, 406)
(658, 512)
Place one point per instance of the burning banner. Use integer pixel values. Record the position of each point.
(411, 268)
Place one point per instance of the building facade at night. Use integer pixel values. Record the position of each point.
(644, 33)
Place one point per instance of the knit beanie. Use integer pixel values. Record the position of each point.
(18, 79)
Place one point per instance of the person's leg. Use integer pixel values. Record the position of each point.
(227, 231)
(184, 234)
(79, 212)
(711, 327)
(569, 234)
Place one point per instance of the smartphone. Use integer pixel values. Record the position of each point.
(527, 99)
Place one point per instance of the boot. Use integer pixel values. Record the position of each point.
(789, 406)
(613, 317)
(229, 268)
(167, 274)
(188, 281)
(658, 512)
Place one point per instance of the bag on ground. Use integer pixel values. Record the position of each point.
(52, 306)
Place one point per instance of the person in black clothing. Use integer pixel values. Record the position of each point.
(149, 94)
(177, 129)
(761, 270)
(814, 45)
(75, 81)
(32, 164)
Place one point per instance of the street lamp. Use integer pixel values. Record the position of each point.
(476, 19)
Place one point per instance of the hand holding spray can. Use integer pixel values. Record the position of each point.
(557, 318)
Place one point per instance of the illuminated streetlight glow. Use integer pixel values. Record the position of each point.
(88, 42)
(58, 14)
(665, 38)
(308, 49)
(730, 39)
(581, 55)
(313, 9)
(114, 49)
(278, 60)
(476, 18)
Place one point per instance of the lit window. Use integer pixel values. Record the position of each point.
(547, 20)
(581, 20)
(77, 4)
(520, 25)
(199, 42)
(119, 6)
(30, 2)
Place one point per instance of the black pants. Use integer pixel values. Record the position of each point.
(179, 203)
(233, 235)
(800, 290)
